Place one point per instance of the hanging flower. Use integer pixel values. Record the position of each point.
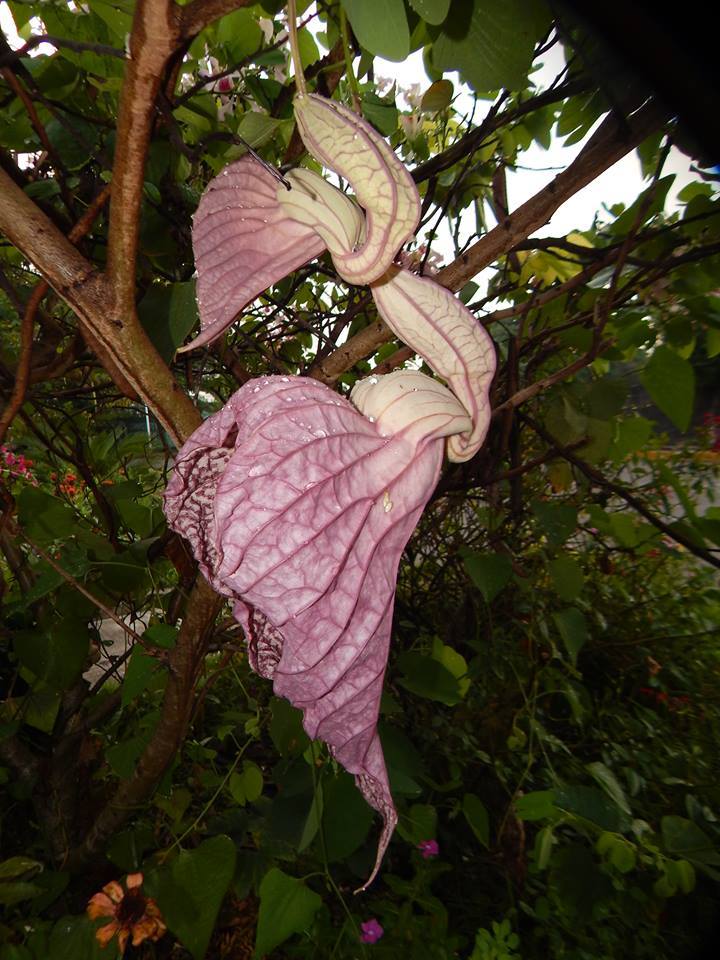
(371, 931)
(428, 849)
(133, 916)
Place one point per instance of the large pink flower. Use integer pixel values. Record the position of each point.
(298, 507)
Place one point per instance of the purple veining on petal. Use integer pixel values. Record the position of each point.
(244, 241)
(311, 513)
(436, 324)
(347, 144)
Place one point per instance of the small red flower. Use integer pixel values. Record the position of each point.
(428, 849)
(132, 914)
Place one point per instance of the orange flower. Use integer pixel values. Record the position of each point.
(133, 915)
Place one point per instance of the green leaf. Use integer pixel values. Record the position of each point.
(538, 805)
(140, 671)
(420, 823)
(477, 817)
(491, 42)
(382, 113)
(74, 140)
(558, 520)
(257, 128)
(543, 847)
(240, 33)
(632, 434)
(428, 678)
(490, 572)
(73, 938)
(610, 784)
(686, 839)
(287, 906)
(577, 881)
(168, 312)
(347, 817)
(573, 629)
(670, 381)
(247, 785)
(18, 867)
(593, 805)
(16, 891)
(56, 658)
(286, 729)
(161, 635)
(438, 96)
(45, 517)
(381, 26)
(567, 577)
(432, 11)
(190, 892)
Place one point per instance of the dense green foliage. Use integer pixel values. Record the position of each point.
(551, 716)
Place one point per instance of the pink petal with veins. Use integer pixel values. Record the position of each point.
(299, 507)
(437, 325)
(244, 241)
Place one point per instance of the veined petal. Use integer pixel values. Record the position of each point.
(412, 402)
(318, 204)
(244, 241)
(449, 338)
(312, 511)
(345, 143)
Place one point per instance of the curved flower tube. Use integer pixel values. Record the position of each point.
(347, 144)
(298, 508)
(447, 336)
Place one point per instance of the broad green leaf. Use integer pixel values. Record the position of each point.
(419, 823)
(490, 572)
(432, 11)
(57, 658)
(404, 763)
(670, 381)
(161, 635)
(287, 906)
(257, 128)
(347, 818)
(454, 662)
(240, 33)
(18, 867)
(567, 577)
(477, 817)
(15, 891)
(573, 629)
(437, 97)
(190, 891)
(45, 517)
(491, 42)
(168, 312)
(428, 678)
(558, 520)
(140, 672)
(313, 820)
(538, 805)
(610, 784)
(593, 805)
(381, 26)
(73, 938)
(632, 434)
(684, 838)
(246, 785)
(286, 729)
(380, 112)
(543, 847)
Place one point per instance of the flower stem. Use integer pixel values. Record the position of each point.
(350, 73)
(295, 49)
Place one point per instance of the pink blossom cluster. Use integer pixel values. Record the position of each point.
(17, 465)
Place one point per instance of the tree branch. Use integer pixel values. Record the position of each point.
(155, 37)
(199, 14)
(613, 139)
(597, 478)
